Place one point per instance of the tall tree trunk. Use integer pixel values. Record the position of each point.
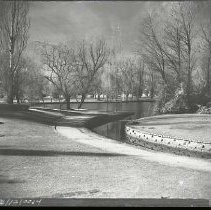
(208, 90)
(126, 96)
(140, 88)
(10, 93)
(98, 97)
(141, 75)
(17, 97)
(140, 92)
(82, 100)
(17, 92)
(43, 102)
(189, 76)
(164, 78)
(60, 105)
(152, 92)
(67, 98)
(152, 89)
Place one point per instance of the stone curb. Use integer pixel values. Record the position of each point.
(167, 143)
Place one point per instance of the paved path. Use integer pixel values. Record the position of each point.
(35, 160)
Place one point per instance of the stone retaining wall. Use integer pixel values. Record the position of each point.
(167, 143)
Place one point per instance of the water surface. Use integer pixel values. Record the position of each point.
(115, 130)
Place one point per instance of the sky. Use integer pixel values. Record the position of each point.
(116, 21)
(65, 21)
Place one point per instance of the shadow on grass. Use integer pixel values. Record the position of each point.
(31, 117)
(7, 180)
(22, 152)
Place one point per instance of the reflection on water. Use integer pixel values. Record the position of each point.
(140, 109)
(115, 130)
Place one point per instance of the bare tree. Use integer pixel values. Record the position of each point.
(174, 46)
(141, 75)
(206, 35)
(19, 78)
(129, 76)
(154, 55)
(14, 26)
(92, 57)
(61, 65)
(186, 17)
(29, 82)
(97, 85)
(179, 40)
(107, 80)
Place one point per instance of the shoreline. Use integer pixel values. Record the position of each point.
(96, 101)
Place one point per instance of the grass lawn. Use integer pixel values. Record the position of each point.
(196, 127)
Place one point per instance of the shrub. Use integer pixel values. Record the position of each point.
(165, 95)
(177, 104)
(204, 110)
(174, 100)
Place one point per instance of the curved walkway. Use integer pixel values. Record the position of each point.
(85, 136)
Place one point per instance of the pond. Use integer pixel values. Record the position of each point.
(115, 130)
